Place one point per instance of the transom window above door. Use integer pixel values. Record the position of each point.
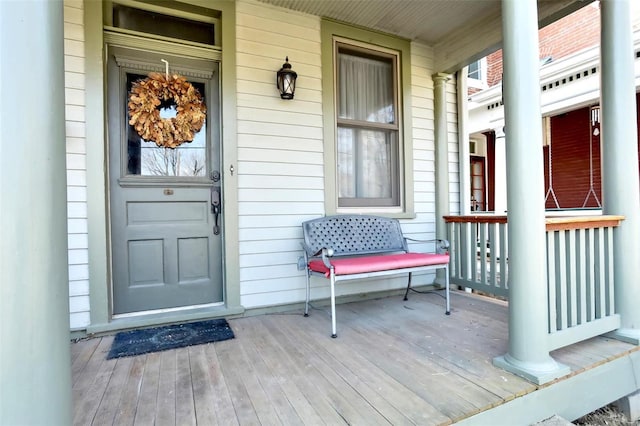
(178, 21)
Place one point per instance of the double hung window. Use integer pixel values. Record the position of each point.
(368, 152)
(367, 127)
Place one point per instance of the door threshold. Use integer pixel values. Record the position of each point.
(148, 319)
(165, 310)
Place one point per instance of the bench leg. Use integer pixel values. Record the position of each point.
(333, 305)
(446, 289)
(406, 293)
(306, 302)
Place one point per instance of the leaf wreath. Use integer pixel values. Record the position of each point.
(145, 100)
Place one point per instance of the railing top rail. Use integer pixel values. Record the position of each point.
(482, 218)
(582, 222)
(555, 223)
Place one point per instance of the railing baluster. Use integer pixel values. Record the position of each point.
(602, 286)
(551, 276)
(591, 277)
(464, 251)
(572, 290)
(610, 282)
(582, 277)
(504, 255)
(561, 279)
(493, 255)
(483, 253)
(453, 251)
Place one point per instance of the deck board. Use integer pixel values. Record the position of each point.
(374, 406)
(166, 398)
(467, 351)
(271, 383)
(108, 407)
(414, 367)
(240, 397)
(131, 392)
(185, 408)
(394, 362)
(202, 388)
(81, 354)
(340, 395)
(311, 406)
(382, 390)
(222, 404)
(88, 397)
(146, 408)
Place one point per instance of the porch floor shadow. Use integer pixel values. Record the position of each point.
(394, 362)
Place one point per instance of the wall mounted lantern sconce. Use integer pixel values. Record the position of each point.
(286, 80)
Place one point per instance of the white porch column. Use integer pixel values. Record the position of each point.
(528, 355)
(620, 187)
(35, 370)
(500, 184)
(442, 152)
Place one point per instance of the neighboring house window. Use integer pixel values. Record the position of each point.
(478, 74)
(367, 126)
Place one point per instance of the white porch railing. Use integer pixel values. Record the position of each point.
(579, 269)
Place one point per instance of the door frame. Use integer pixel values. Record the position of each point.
(476, 159)
(99, 273)
(125, 187)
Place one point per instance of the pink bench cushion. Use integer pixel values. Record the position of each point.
(358, 265)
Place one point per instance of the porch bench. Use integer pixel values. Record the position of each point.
(349, 247)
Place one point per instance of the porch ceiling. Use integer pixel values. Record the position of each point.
(460, 30)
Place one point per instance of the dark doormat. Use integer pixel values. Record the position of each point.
(137, 342)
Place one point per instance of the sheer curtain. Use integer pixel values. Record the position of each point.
(365, 154)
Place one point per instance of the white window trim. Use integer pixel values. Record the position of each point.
(333, 32)
(480, 83)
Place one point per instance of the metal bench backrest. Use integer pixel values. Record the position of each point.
(353, 235)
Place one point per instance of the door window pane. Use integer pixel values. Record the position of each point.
(145, 158)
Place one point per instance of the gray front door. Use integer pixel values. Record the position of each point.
(166, 237)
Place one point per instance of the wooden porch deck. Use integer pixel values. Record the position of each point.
(393, 362)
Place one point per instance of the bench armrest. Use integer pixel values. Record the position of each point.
(442, 245)
(325, 253)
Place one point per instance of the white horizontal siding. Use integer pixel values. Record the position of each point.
(280, 153)
(297, 182)
(78, 254)
(454, 146)
(423, 226)
(280, 149)
(266, 220)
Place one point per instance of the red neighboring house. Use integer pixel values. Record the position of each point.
(572, 133)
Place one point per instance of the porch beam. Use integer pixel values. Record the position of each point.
(528, 354)
(620, 185)
(35, 364)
